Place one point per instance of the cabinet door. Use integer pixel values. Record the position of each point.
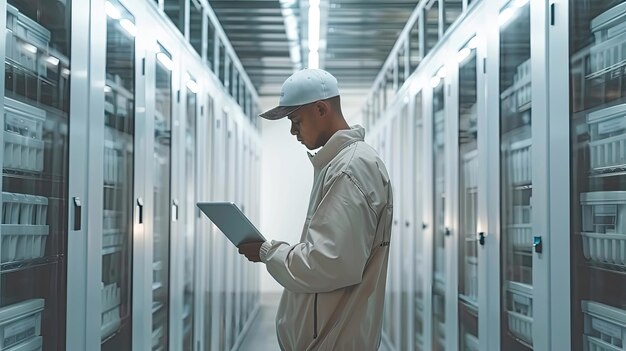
(597, 42)
(190, 197)
(440, 231)
(34, 229)
(118, 157)
(516, 181)
(164, 209)
(468, 187)
(416, 125)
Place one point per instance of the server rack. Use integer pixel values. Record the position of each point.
(82, 212)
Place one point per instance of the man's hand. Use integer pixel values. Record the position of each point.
(251, 251)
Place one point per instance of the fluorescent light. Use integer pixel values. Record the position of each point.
(520, 3)
(165, 61)
(314, 59)
(193, 86)
(463, 54)
(314, 33)
(112, 11)
(129, 27)
(505, 16)
(434, 81)
(314, 27)
(53, 60)
(441, 73)
(107, 89)
(30, 48)
(473, 43)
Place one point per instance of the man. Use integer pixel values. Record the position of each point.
(334, 279)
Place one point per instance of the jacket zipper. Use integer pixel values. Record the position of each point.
(315, 319)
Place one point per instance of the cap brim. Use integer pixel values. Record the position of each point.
(279, 112)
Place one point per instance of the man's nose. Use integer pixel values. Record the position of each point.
(293, 129)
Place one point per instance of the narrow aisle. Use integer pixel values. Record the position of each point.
(262, 333)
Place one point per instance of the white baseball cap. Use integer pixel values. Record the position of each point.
(303, 87)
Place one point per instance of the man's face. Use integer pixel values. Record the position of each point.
(305, 126)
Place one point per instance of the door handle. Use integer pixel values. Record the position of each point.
(77, 213)
(140, 210)
(447, 231)
(175, 210)
(481, 238)
(538, 244)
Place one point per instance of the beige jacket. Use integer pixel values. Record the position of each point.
(334, 279)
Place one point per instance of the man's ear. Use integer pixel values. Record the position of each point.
(322, 108)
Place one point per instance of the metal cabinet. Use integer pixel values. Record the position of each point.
(597, 43)
(35, 173)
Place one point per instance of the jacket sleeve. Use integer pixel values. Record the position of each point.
(340, 236)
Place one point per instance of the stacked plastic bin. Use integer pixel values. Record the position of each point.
(23, 137)
(110, 299)
(25, 39)
(24, 229)
(20, 326)
(604, 212)
(470, 172)
(609, 49)
(520, 310)
(605, 327)
(607, 131)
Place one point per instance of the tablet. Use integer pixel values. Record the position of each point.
(231, 221)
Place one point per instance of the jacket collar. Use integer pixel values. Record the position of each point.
(339, 141)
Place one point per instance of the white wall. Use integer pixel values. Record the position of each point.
(287, 178)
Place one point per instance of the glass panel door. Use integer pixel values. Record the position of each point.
(598, 174)
(439, 203)
(34, 175)
(515, 178)
(418, 247)
(468, 199)
(162, 199)
(119, 136)
(190, 200)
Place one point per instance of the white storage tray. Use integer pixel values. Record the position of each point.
(20, 322)
(520, 310)
(23, 36)
(607, 131)
(520, 162)
(605, 327)
(34, 344)
(609, 23)
(523, 87)
(23, 134)
(471, 342)
(607, 55)
(604, 226)
(470, 169)
(110, 315)
(471, 277)
(521, 326)
(23, 242)
(23, 119)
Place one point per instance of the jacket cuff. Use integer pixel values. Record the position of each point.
(265, 248)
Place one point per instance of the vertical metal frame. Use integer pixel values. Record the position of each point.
(78, 334)
(71, 190)
(484, 186)
(144, 148)
(428, 213)
(540, 172)
(452, 197)
(491, 325)
(96, 169)
(559, 176)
